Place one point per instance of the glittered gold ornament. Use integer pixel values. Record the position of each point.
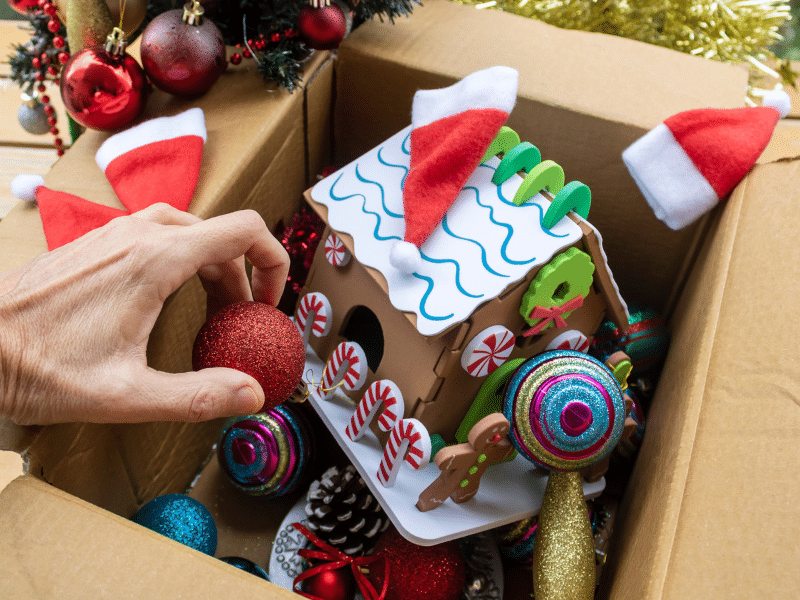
(133, 13)
(88, 24)
(563, 554)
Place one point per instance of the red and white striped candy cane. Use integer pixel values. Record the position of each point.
(487, 351)
(347, 364)
(383, 392)
(569, 340)
(336, 252)
(313, 315)
(408, 441)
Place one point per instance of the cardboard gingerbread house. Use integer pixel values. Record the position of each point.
(494, 283)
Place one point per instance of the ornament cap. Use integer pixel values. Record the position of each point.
(115, 42)
(193, 13)
(30, 100)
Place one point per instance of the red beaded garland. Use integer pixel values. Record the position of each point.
(259, 340)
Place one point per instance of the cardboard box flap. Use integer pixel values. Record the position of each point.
(708, 506)
(56, 546)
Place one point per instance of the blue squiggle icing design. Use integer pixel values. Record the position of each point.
(364, 210)
(424, 300)
(403, 145)
(509, 229)
(388, 164)
(383, 196)
(458, 273)
(446, 228)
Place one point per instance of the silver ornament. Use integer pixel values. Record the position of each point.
(31, 116)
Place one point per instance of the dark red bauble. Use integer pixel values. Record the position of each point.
(322, 28)
(22, 6)
(430, 572)
(180, 58)
(259, 340)
(331, 585)
(103, 91)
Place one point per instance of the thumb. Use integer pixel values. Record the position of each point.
(201, 396)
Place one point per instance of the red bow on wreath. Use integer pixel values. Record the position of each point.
(336, 559)
(553, 313)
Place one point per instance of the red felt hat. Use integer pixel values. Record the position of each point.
(451, 131)
(694, 159)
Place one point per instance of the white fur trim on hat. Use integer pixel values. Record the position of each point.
(673, 187)
(405, 257)
(190, 122)
(779, 100)
(495, 87)
(24, 186)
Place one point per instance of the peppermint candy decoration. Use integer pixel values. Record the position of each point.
(381, 393)
(409, 442)
(566, 410)
(569, 340)
(313, 315)
(347, 364)
(487, 351)
(336, 252)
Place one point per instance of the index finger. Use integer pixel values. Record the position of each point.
(230, 236)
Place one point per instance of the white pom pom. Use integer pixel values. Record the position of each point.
(405, 257)
(24, 186)
(779, 100)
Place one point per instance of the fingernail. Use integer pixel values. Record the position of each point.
(248, 400)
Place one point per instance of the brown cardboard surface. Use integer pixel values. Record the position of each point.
(583, 98)
(56, 546)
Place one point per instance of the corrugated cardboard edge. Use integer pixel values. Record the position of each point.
(39, 524)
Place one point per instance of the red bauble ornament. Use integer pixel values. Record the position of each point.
(257, 339)
(183, 53)
(331, 585)
(103, 87)
(430, 572)
(324, 28)
(23, 6)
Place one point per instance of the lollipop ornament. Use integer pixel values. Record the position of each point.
(566, 412)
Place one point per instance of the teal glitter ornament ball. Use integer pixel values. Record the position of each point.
(246, 565)
(182, 519)
(646, 341)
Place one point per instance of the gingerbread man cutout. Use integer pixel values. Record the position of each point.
(463, 465)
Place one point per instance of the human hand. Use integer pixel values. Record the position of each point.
(74, 322)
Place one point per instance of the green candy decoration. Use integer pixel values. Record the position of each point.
(574, 196)
(504, 141)
(546, 174)
(522, 157)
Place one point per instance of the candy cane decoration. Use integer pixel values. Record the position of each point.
(487, 351)
(381, 393)
(569, 340)
(313, 315)
(408, 441)
(336, 252)
(348, 366)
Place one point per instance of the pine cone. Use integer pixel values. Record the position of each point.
(342, 512)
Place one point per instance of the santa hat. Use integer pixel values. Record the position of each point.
(451, 130)
(694, 159)
(156, 161)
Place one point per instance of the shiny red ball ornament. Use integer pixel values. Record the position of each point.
(183, 53)
(338, 584)
(430, 572)
(23, 6)
(259, 340)
(323, 28)
(103, 87)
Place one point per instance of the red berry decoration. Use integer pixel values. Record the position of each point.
(103, 87)
(259, 340)
(183, 53)
(430, 572)
(325, 27)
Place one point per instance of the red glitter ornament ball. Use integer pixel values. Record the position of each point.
(430, 572)
(323, 28)
(182, 58)
(103, 91)
(257, 339)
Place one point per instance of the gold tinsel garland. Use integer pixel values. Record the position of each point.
(733, 32)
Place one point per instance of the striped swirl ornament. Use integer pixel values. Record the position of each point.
(566, 410)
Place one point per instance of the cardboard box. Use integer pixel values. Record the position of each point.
(709, 511)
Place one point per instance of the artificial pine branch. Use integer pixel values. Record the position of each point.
(23, 73)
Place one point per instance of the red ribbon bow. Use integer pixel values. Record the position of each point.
(336, 559)
(553, 313)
